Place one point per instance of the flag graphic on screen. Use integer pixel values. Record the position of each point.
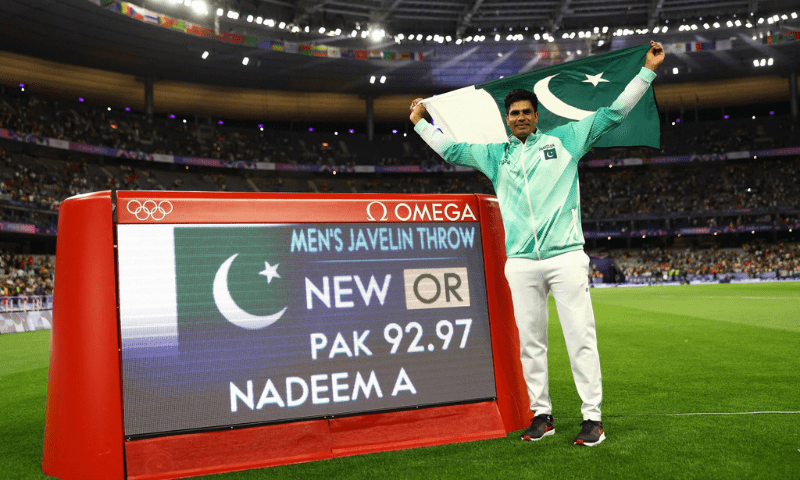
(566, 92)
(230, 283)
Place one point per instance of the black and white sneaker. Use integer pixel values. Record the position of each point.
(591, 433)
(541, 426)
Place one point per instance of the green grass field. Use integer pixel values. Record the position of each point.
(666, 352)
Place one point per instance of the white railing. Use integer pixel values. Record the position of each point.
(26, 303)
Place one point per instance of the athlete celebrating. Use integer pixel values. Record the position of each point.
(535, 177)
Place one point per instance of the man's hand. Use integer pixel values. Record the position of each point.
(655, 56)
(418, 111)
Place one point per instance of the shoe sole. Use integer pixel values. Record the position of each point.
(546, 434)
(587, 444)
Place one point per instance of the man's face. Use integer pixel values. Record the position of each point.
(521, 119)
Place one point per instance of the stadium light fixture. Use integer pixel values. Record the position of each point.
(770, 20)
(259, 20)
(762, 63)
(372, 79)
(497, 37)
(706, 26)
(675, 70)
(458, 41)
(200, 7)
(755, 62)
(282, 25)
(794, 15)
(233, 15)
(188, 3)
(769, 62)
(383, 78)
(321, 29)
(738, 23)
(245, 61)
(337, 32)
(250, 19)
(729, 24)
(716, 25)
(220, 12)
(205, 55)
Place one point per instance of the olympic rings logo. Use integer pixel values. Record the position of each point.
(150, 209)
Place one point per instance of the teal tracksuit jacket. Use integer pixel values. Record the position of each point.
(536, 182)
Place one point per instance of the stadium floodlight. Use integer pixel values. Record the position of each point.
(770, 20)
(497, 37)
(383, 78)
(762, 62)
(784, 17)
(655, 30)
(755, 62)
(596, 30)
(729, 24)
(321, 29)
(760, 21)
(664, 29)
(372, 79)
(794, 14)
(448, 38)
(579, 52)
(605, 29)
(205, 55)
(694, 27)
(458, 41)
(200, 7)
(250, 18)
(776, 18)
(220, 12)
(364, 34)
(306, 29)
(282, 25)
(769, 62)
(675, 70)
(188, 3)
(509, 37)
(565, 35)
(259, 20)
(233, 15)
(536, 36)
(716, 24)
(337, 32)
(706, 26)
(738, 23)
(245, 61)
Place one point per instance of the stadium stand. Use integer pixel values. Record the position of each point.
(710, 191)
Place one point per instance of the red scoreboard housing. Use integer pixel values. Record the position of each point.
(85, 426)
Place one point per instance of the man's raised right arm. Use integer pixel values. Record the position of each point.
(477, 156)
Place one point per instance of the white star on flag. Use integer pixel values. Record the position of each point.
(595, 79)
(271, 271)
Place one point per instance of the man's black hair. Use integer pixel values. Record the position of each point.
(519, 95)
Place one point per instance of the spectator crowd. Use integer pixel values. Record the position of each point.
(702, 193)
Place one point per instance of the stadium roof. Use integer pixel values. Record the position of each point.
(82, 32)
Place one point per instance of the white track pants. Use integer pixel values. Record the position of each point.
(567, 276)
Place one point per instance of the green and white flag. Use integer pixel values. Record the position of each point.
(566, 92)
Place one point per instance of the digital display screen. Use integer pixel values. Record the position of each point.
(225, 325)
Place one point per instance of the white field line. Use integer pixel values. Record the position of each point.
(704, 413)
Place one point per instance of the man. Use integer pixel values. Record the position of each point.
(535, 177)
